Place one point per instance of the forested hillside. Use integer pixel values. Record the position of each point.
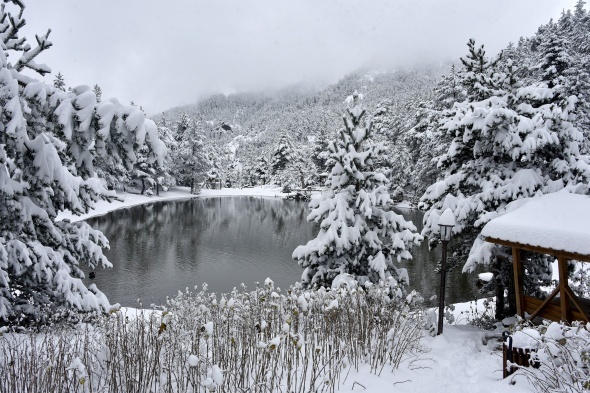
(280, 137)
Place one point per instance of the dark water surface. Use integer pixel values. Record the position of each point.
(164, 247)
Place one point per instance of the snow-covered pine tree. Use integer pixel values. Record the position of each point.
(262, 170)
(191, 163)
(59, 82)
(556, 59)
(358, 235)
(97, 92)
(423, 142)
(48, 141)
(320, 152)
(508, 142)
(164, 179)
(281, 157)
(478, 74)
(387, 130)
(449, 90)
(145, 171)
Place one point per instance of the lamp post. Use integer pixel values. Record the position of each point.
(446, 223)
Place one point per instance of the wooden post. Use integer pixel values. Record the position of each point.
(518, 282)
(563, 295)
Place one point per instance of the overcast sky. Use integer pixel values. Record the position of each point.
(162, 54)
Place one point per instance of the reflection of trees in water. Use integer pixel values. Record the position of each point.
(181, 225)
(167, 242)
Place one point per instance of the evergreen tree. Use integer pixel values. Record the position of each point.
(357, 234)
(191, 162)
(49, 140)
(388, 131)
(281, 157)
(556, 59)
(97, 92)
(516, 143)
(478, 74)
(262, 170)
(320, 152)
(144, 171)
(59, 82)
(449, 90)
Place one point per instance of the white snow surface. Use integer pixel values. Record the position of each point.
(447, 218)
(559, 221)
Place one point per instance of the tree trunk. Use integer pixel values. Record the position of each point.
(142, 186)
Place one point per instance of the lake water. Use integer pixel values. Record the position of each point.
(160, 248)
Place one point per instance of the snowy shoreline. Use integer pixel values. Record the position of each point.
(127, 200)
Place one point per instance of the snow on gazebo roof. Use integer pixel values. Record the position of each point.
(554, 222)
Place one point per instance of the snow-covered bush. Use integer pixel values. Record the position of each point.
(562, 353)
(358, 234)
(258, 341)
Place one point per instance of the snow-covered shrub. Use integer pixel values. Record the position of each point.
(264, 340)
(562, 353)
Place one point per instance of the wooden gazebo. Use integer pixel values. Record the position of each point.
(555, 224)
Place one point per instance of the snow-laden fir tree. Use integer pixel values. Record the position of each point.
(59, 82)
(387, 130)
(556, 59)
(97, 92)
(509, 142)
(320, 152)
(190, 159)
(282, 156)
(49, 140)
(358, 234)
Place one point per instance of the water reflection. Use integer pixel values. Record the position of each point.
(160, 248)
(460, 287)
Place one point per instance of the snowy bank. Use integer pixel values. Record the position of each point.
(127, 200)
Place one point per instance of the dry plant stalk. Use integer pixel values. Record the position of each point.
(258, 341)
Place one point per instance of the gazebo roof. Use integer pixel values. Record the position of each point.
(556, 224)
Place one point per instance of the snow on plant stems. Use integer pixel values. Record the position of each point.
(258, 341)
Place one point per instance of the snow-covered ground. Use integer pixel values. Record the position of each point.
(463, 359)
(456, 361)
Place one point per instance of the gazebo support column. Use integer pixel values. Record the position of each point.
(518, 283)
(563, 294)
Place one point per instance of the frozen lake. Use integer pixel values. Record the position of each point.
(163, 247)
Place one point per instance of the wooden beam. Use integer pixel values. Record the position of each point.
(545, 302)
(574, 299)
(563, 295)
(540, 250)
(518, 282)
